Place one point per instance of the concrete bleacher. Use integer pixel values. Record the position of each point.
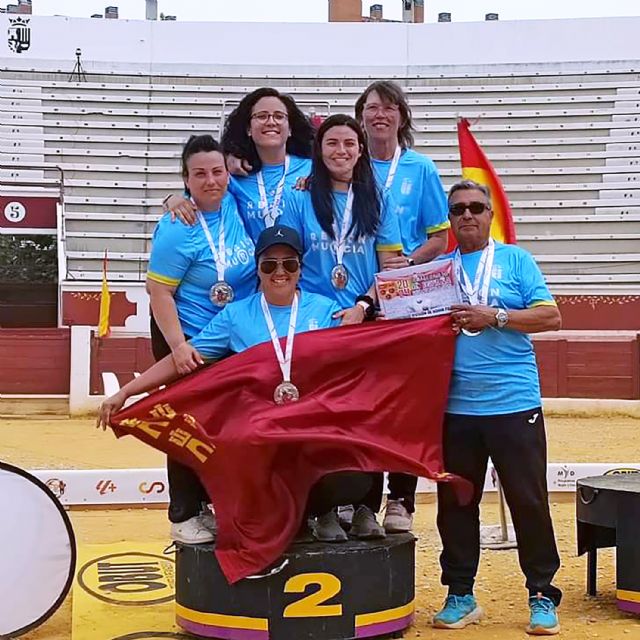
(566, 146)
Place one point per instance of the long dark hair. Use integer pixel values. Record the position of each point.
(392, 93)
(237, 141)
(196, 144)
(366, 197)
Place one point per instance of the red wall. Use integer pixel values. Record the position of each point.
(37, 361)
(121, 356)
(594, 368)
(34, 361)
(569, 367)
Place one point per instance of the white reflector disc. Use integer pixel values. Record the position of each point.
(38, 554)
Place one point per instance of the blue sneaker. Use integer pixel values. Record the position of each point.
(544, 617)
(457, 613)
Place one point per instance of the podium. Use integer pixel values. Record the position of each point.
(317, 591)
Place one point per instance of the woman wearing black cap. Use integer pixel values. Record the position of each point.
(278, 310)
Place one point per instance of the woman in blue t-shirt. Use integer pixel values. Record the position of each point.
(278, 310)
(193, 272)
(346, 228)
(273, 139)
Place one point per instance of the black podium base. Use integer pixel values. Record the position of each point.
(608, 513)
(323, 592)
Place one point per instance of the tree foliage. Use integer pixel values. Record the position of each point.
(28, 259)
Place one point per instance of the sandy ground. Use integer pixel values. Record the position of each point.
(62, 443)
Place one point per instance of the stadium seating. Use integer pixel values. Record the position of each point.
(567, 148)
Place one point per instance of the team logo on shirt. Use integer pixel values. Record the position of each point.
(313, 324)
(406, 187)
(324, 243)
(19, 34)
(496, 273)
(241, 253)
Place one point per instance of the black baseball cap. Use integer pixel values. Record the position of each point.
(278, 234)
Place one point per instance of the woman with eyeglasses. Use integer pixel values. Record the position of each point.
(274, 139)
(409, 177)
(412, 184)
(193, 273)
(495, 411)
(278, 310)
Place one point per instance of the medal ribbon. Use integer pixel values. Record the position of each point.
(341, 243)
(271, 212)
(476, 294)
(284, 359)
(393, 168)
(218, 252)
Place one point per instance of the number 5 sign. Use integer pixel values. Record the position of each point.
(28, 216)
(15, 212)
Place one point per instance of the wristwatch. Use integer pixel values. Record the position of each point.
(502, 318)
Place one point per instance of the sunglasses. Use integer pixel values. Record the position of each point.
(476, 208)
(269, 265)
(263, 117)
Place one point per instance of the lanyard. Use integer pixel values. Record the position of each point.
(219, 252)
(341, 240)
(478, 293)
(393, 168)
(271, 212)
(284, 359)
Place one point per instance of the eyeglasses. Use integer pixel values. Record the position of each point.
(269, 265)
(387, 109)
(476, 208)
(263, 117)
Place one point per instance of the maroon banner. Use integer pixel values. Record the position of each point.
(372, 398)
(27, 215)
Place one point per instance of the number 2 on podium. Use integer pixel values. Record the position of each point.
(312, 606)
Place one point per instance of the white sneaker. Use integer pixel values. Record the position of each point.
(396, 518)
(191, 531)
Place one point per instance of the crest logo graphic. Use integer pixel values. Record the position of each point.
(19, 35)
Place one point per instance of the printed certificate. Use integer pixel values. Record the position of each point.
(420, 291)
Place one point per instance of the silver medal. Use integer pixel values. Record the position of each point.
(286, 392)
(221, 293)
(339, 276)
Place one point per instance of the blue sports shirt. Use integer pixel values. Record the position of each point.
(360, 257)
(495, 372)
(416, 195)
(241, 325)
(181, 257)
(245, 189)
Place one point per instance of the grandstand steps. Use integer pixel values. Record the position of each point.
(567, 147)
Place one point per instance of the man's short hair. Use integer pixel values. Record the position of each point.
(468, 185)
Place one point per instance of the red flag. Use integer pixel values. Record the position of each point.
(372, 398)
(477, 167)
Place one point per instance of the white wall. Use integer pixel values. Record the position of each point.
(145, 47)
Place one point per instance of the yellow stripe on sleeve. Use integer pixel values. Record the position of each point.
(439, 227)
(158, 277)
(388, 247)
(543, 303)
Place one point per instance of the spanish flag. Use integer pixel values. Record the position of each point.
(477, 167)
(105, 302)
